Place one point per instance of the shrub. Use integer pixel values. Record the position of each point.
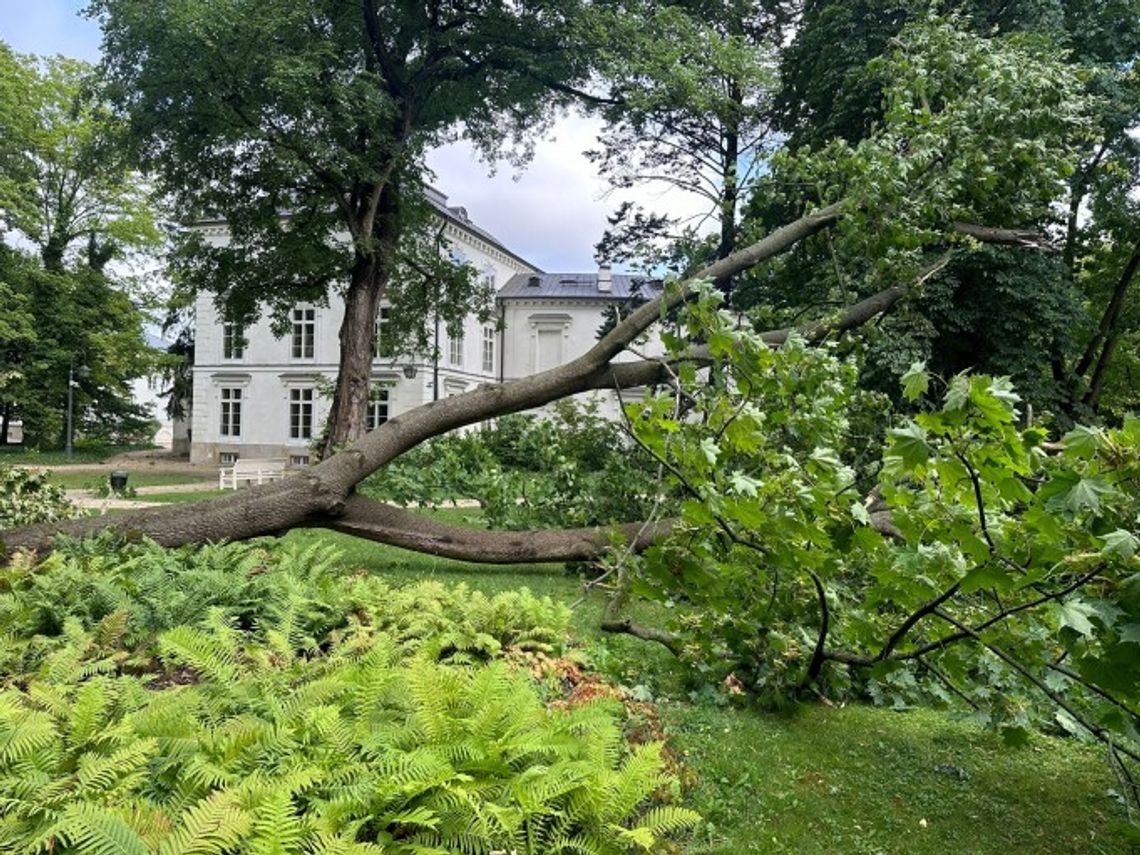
(569, 468)
(28, 497)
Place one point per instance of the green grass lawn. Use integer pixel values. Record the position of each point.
(182, 498)
(867, 780)
(822, 780)
(136, 478)
(16, 455)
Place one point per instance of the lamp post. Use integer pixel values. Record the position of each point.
(72, 371)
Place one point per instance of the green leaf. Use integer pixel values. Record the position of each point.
(915, 381)
(1075, 614)
(1083, 441)
(1130, 633)
(742, 484)
(710, 449)
(957, 394)
(1120, 543)
(1086, 494)
(1070, 493)
(988, 575)
(910, 445)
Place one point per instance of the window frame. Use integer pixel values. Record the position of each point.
(381, 398)
(455, 350)
(233, 341)
(230, 400)
(489, 336)
(303, 345)
(381, 344)
(301, 402)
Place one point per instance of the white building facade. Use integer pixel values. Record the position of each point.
(260, 396)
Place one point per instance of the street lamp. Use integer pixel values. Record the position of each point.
(72, 373)
(410, 371)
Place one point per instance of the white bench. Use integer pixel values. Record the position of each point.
(252, 471)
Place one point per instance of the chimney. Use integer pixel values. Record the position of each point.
(605, 279)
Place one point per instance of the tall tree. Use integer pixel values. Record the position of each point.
(1048, 321)
(67, 187)
(304, 125)
(66, 190)
(686, 91)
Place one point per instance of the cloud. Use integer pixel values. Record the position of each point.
(554, 212)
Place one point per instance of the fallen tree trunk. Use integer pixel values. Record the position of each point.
(323, 495)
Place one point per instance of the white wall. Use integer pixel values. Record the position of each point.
(267, 370)
(530, 326)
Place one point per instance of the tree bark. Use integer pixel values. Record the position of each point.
(321, 496)
(395, 526)
(1103, 342)
(5, 422)
(370, 276)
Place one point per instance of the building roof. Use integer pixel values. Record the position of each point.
(458, 215)
(438, 200)
(576, 286)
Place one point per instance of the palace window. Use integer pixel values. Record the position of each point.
(488, 349)
(383, 348)
(300, 413)
(304, 333)
(231, 412)
(233, 340)
(455, 350)
(377, 412)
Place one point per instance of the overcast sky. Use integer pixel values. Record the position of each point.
(552, 214)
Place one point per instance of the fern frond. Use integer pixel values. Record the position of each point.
(210, 827)
(94, 830)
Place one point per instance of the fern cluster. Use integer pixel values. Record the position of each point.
(260, 699)
(104, 604)
(359, 748)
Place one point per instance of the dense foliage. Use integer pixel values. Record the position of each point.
(70, 208)
(978, 566)
(248, 699)
(566, 468)
(1073, 343)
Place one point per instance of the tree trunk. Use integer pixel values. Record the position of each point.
(5, 421)
(370, 276)
(728, 195)
(322, 495)
(1106, 330)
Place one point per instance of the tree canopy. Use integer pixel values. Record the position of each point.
(304, 126)
(68, 193)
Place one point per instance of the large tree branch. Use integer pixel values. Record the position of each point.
(1005, 237)
(320, 494)
(384, 523)
(628, 626)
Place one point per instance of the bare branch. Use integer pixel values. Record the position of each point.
(384, 523)
(628, 626)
